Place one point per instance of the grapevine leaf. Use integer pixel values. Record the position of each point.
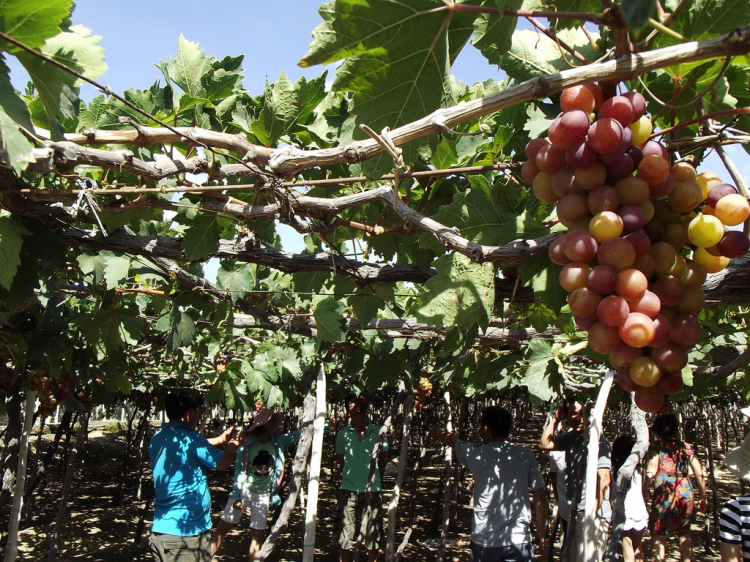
(544, 276)
(107, 326)
(328, 314)
(285, 104)
(118, 382)
(10, 102)
(533, 54)
(493, 34)
(18, 150)
(202, 238)
(32, 22)
(541, 366)
(115, 270)
(461, 294)
(382, 370)
(483, 215)
(397, 61)
(704, 19)
(59, 89)
(236, 278)
(11, 240)
(187, 69)
(638, 12)
(288, 361)
(182, 329)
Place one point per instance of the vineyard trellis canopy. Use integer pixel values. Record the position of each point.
(425, 252)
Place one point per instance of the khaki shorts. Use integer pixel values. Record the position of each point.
(349, 519)
(173, 548)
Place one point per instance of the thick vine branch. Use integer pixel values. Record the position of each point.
(289, 161)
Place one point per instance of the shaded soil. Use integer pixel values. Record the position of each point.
(98, 529)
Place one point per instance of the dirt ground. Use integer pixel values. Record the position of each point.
(97, 529)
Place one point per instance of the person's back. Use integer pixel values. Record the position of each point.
(180, 459)
(504, 474)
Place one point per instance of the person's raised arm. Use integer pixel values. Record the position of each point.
(223, 438)
(540, 509)
(700, 480)
(445, 437)
(603, 479)
(227, 459)
(545, 441)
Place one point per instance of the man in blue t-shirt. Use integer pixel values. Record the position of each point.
(180, 460)
(504, 474)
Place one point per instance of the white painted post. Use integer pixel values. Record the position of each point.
(595, 431)
(311, 515)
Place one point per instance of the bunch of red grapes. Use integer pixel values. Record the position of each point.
(50, 392)
(422, 393)
(642, 235)
(259, 405)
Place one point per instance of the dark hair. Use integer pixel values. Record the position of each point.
(178, 403)
(666, 425)
(360, 399)
(569, 401)
(621, 449)
(498, 420)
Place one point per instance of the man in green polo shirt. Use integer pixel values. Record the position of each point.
(354, 447)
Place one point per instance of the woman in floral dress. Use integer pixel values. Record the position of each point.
(669, 463)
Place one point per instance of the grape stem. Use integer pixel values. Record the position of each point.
(736, 111)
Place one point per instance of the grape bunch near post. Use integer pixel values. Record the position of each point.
(642, 235)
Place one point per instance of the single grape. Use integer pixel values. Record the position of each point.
(685, 196)
(603, 338)
(641, 130)
(603, 279)
(631, 283)
(719, 191)
(712, 264)
(640, 241)
(612, 310)
(617, 253)
(605, 135)
(684, 171)
(734, 244)
(639, 104)
(574, 275)
(542, 188)
(580, 246)
(637, 330)
(705, 231)
(591, 177)
(603, 198)
(618, 108)
(632, 191)
(578, 154)
(578, 97)
(648, 303)
(583, 301)
(556, 253)
(732, 209)
(645, 371)
(533, 146)
(605, 225)
(649, 399)
(572, 207)
(653, 169)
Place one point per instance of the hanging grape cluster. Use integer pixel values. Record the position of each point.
(50, 392)
(642, 235)
(422, 393)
